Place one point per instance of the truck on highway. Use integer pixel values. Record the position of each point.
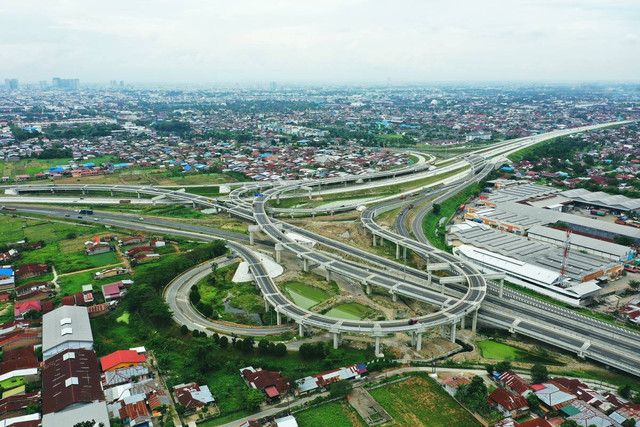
(124, 201)
(6, 208)
(85, 211)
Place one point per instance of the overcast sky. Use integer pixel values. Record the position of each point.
(320, 41)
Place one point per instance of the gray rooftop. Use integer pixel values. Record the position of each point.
(520, 192)
(600, 198)
(533, 252)
(65, 324)
(579, 240)
(96, 411)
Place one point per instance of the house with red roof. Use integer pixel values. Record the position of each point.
(22, 308)
(122, 359)
(112, 291)
(193, 396)
(512, 382)
(271, 383)
(510, 405)
(135, 413)
(33, 269)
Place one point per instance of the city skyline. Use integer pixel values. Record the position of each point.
(322, 42)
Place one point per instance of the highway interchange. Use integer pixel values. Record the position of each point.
(469, 292)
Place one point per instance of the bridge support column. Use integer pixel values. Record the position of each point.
(463, 322)
(278, 253)
(453, 332)
(278, 199)
(193, 204)
(367, 288)
(413, 338)
(419, 341)
(428, 278)
(443, 332)
(377, 345)
(337, 339)
(442, 288)
(300, 329)
(138, 195)
(266, 305)
(111, 193)
(84, 191)
(251, 242)
(278, 318)
(394, 297)
(501, 291)
(474, 321)
(310, 194)
(374, 239)
(397, 250)
(305, 265)
(328, 275)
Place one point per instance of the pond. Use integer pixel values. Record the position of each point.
(305, 296)
(349, 311)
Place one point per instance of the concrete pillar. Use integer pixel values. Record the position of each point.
(397, 250)
(305, 264)
(442, 288)
(443, 332)
(413, 338)
(429, 277)
(462, 322)
(278, 199)
(278, 318)
(377, 345)
(138, 195)
(501, 288)
(328, 275)
(419, 341)
(111, 192)
(474, 321)
(374, 239)
(368, 288)
(266, 305)
(251, 238)
(278, 255)
(453, 332)
(193, 205)
(310, 194)
(336, 340)
(394, 297)
(300, 329)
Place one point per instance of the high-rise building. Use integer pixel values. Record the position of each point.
(69, 84)
(11, 84)
(43, 84)
(273, 86)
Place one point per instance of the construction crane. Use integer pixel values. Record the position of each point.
(565, 257)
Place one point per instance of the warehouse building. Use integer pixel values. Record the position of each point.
(519, 218)
(539, 279)
(65, 328)
(617, 204)
(585, 244)
(581, 267)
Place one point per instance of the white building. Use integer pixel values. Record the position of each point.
(539, 279)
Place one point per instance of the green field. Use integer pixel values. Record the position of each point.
(421, 402)
(18, 228)
(69, 262)
(495, 350)
(349, 311)
(32, 166)
(334, 414)
(73, 283)
(303, 295)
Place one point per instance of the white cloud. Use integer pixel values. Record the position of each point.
(330, 40)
